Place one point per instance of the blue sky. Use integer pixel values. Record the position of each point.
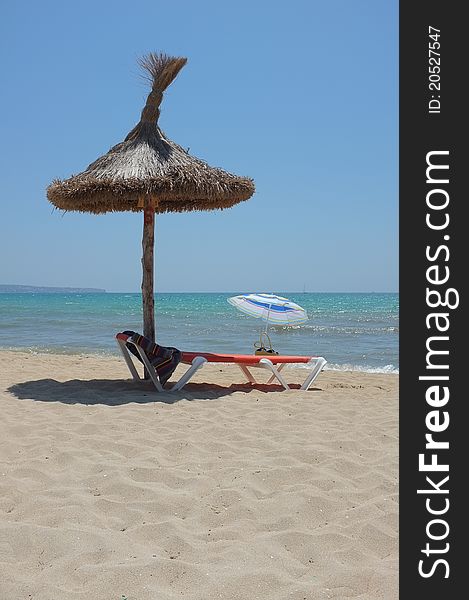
(300, 95)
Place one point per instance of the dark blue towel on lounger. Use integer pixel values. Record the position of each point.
(164, 359)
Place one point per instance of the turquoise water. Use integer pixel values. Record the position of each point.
(358, 331)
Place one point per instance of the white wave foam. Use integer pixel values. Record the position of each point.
(108, 352)
(388, 369)
(362, 368)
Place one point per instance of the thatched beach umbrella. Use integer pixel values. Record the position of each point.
(148, 172)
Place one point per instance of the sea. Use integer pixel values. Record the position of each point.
(353, 331)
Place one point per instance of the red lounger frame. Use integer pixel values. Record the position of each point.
(272, 362)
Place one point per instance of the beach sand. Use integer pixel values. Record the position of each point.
(110, 490)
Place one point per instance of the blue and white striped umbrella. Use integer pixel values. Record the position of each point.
(271, 308)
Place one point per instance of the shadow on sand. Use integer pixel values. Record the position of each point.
(118, 392)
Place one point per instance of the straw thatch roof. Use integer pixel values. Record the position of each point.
(148, 163)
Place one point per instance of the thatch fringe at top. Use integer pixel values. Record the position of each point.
(147, 163)
(162, 71)
(161, 68)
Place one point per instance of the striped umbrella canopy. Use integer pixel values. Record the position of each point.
(271, 308)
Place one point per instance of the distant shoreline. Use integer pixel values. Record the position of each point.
(33, 289)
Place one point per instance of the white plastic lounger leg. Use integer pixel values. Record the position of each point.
(317, 368)
(149, 368)
(197, 363)
(267, 364)
(247, 373)
(125, 353)
(279, 368)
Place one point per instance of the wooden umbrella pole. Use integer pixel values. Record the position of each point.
(148, 241)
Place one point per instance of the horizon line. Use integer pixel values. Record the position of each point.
(235, 292)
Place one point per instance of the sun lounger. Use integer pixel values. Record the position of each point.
(274, 363)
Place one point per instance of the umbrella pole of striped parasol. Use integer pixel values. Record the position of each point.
(267, 319)
(266, 332)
